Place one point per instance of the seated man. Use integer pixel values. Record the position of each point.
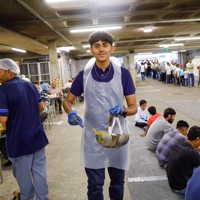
(182, 161)
(57, 91)
(169, 140)
(158, 128)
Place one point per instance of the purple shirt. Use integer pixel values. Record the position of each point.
(168, 141)
(104, 76)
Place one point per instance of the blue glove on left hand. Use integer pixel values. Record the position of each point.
(74, 119)
(117, 110)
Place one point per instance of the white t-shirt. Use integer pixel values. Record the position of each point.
(190, 68)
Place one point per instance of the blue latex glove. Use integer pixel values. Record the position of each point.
(117, 110)
(74, 119)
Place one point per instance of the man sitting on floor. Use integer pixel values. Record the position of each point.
(169, 140)
(158, 128)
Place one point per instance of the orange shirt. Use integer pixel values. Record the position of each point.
(153, 118)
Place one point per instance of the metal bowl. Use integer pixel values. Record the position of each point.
(111, 140)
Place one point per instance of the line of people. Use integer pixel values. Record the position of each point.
(169, 72)
(177, 150)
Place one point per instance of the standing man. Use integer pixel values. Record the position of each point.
(20, 105)
(104, 84)
(190, 71)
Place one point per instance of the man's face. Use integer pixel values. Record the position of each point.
(4, 75)
(102, 50)
(184, 131)
(171, 119)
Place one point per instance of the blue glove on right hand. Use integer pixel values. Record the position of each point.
(117, 110)
(74, 119)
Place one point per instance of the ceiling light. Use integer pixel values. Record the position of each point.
(187, 38)
(94, 29)
(146, 53)
(170, 45)
(56, 1)
(88, 51)
(182, 50)
(86, 46)
(67, 48)
(148, 29)
(19, 50)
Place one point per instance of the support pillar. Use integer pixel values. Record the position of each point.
(54, 66)
(131, 61)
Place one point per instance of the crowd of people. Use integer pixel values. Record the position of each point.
(169, 72)
(26, 140)
(177, 150)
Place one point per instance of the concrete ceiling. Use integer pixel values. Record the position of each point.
(30, 24)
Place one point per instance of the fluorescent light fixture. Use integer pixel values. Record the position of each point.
(19, 50)
(146, 53)
(82, 30)
(56, 1)
(182, 50)
(170, 45)
(187, 38)
(88, 51)
(67, 48)
(86, 46)
(148, 29)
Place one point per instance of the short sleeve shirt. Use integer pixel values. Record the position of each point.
(19, 101)
(127, 81)
(153, 118)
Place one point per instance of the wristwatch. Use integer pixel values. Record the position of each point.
(124, 112)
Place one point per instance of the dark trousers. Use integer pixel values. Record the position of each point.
(96, 179)
(59, 102)
(3, 147)
(140, 124)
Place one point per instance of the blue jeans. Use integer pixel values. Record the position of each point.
(30, 173)
(190, 79)
(96, 181)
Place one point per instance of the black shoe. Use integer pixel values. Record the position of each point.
(7, 164)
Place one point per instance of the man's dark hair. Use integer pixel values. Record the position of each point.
(142, 102)
(152, 110)
(194, 133)
(181, 124)
(168, 111)
(100, 35)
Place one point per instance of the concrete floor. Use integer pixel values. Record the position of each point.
(67, 179)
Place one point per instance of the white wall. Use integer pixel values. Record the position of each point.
(196, 62)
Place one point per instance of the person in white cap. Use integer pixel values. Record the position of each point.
(20, 105)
